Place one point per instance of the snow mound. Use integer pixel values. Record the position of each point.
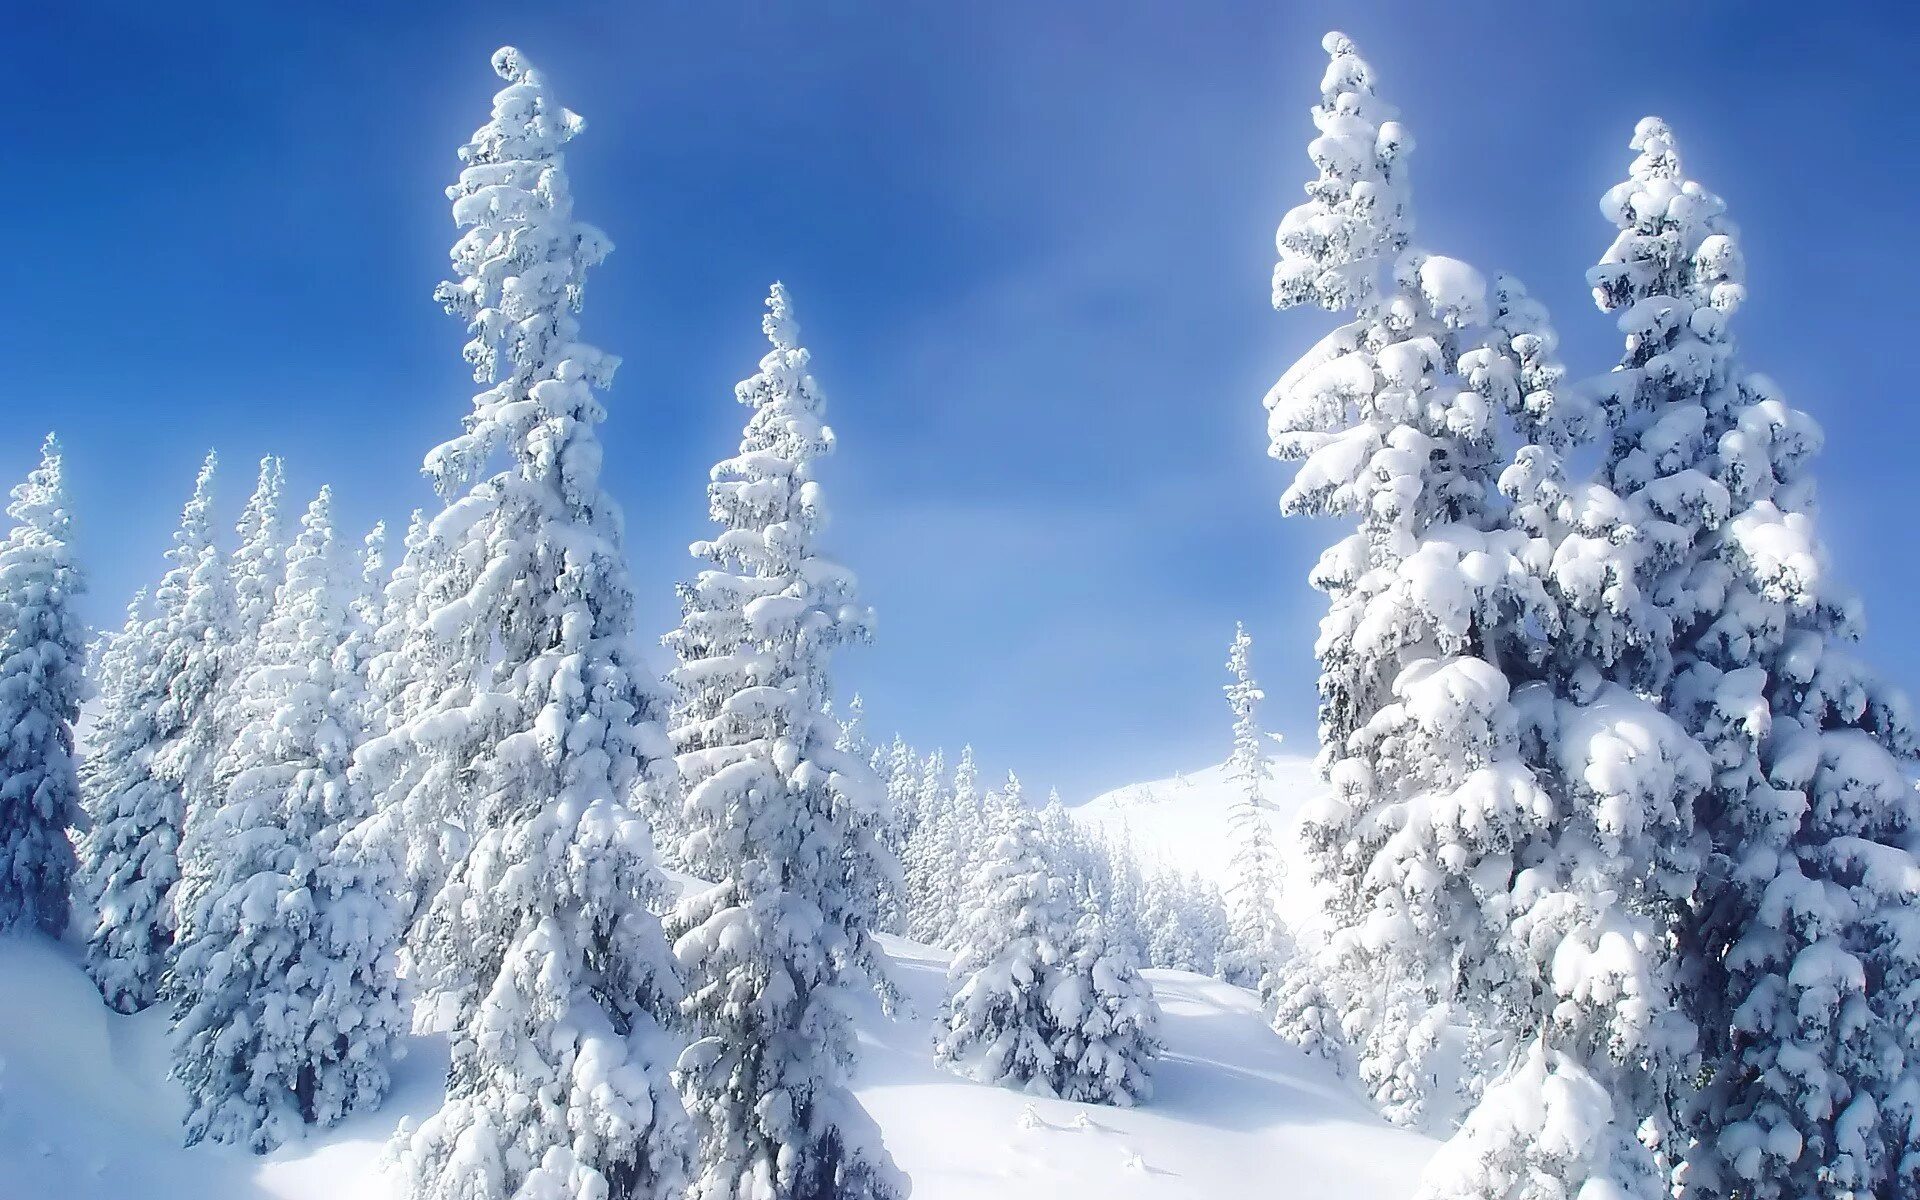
(87, 1111)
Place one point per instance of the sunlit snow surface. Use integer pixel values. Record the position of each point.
(86, 1109)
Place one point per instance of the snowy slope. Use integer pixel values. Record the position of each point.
(1185, 822)
(86, 1110)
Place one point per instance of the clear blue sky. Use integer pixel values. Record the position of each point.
(1031, 253)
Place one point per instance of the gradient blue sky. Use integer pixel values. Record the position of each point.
(1030, 249)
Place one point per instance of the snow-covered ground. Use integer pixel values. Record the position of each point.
(86, 1109)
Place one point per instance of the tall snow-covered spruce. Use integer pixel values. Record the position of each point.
(785, 824)
(537, 953)
(42, 658)
(1393, 426)
(159, 682)
(258, 563)
(284, 975)
(1509, 835)
(1256, 949)
(1804, 947)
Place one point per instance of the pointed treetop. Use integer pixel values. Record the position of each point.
(39, 502)
(196, 519)
(779, 323)
(373, 552)
(1357, 215)
(267, 487)
(1675, 239)
(319, 510)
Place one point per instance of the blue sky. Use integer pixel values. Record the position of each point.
(1030, 250)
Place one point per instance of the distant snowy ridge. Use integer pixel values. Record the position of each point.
(1184, 822)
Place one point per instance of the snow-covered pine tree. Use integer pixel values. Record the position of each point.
(1388, 430)
(538, 953)
(1075, 857)
(42, 660)
(198, 653)
(961, 842)
(408, 666)
(1105, 1020)
(1017, 929)
(1504, 857)
(899, 768)
(370, 596)
(1256, 938)
(997, 810)
(389, 677)
(284, 975)
(1304, 1014)
(786, 824)
(853, 731)
(1803, 944)
(151, 738)
(252, 573)
(258, 563)
(923, 857)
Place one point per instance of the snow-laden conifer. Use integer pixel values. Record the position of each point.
(1803, 947)
(284, 974)
(396, 629)
(1390, 430)
(537, 952)
(42, 660)
(258, 563)
(154, 732)
(1508, 833)
(1105, 1018)
(1257, 940)
(1016, 932)
(958, 843)
(923, 853)
(784, 820)
(900, 771)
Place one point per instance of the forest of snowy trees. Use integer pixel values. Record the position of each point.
(1615, 875)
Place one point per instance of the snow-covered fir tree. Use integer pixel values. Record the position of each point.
(1016, 932)
(1257, 940)
(156, 696)
(408, 666)
(538, 953)
(923, 853)
(783, 814)
(390, 680)
(1105, 1020)
(1803, 944)
(1508, 831)
(284, 976)
(900, 770)
(258, 563)
(1388, 432)
(42, 660)
(959, 845)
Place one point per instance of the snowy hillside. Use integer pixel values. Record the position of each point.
(1184, 822)
(86, 1110)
